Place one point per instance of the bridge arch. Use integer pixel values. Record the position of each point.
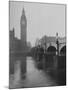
(63, 50)
(51, 44)
(61, 46)
(51, 49)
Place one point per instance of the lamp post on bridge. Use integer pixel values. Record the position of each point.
(57, 42)
(57, 52)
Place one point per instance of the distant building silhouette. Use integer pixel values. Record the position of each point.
(15, 43)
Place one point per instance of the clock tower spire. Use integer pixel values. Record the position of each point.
(23, 26)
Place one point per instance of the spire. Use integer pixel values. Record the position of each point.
(57, 34)
(13, 30)
(23, 11)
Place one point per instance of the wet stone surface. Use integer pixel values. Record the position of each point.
(33, 77)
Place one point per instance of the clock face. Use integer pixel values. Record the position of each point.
(23, 22)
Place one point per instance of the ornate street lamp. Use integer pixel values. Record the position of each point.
(57, 42)
(57, 51)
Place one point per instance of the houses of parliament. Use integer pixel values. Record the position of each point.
(19, 45)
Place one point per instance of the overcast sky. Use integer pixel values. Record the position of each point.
(42, 19)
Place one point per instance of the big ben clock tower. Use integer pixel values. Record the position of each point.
(23, 25)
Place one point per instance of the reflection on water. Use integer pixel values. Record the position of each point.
(17, 71)
(34, 77)
(30, 65)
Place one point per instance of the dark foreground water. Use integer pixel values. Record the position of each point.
(34, 77)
